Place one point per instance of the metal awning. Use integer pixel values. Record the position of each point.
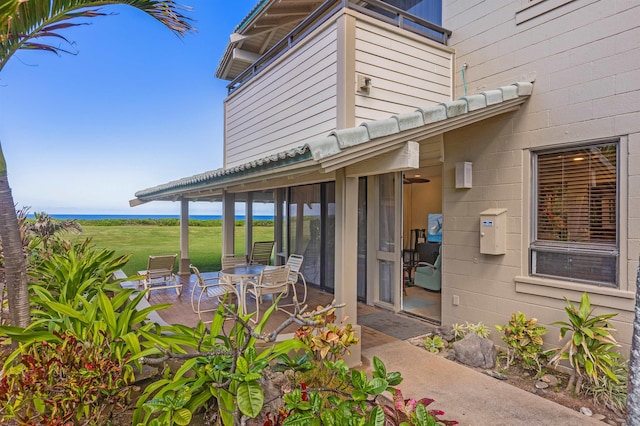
(318, 159)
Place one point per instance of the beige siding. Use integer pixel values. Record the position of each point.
(585, 59)
(406, 71)
(291, 102)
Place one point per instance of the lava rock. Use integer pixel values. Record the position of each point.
(475, 351)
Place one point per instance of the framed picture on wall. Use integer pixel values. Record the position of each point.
(434, 231)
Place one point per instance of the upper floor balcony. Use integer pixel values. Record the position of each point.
(341, 63)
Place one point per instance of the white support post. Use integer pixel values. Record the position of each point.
(346, 255)
(248, 224)
(228, 223)
(183, 267)
(278, 225)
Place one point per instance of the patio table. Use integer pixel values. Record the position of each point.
(241, 274)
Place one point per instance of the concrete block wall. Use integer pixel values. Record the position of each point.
(584, 57)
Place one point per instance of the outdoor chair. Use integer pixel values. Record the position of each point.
(429, 276)
(212, 288)
(274, 281)
(295, 265)
(261, 253)
(233, 260)
(159, 274)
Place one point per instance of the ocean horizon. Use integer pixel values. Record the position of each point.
(62, 216)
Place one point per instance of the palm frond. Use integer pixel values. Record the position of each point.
(22, 21)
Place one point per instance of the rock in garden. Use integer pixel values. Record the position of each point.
(446, 333)
(587, 412)
(475, 351)
(541, 384)
(550, 379)
(495, 374)
(599, 417)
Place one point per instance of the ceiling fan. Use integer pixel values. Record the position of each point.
(415, 179)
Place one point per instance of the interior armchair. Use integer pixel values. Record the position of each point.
(160, 274)
(429, 276)
(274, 282)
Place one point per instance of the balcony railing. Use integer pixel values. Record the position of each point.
(393, 16)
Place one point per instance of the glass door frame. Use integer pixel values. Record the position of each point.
(378, 256)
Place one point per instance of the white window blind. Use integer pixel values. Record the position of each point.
(576, 214)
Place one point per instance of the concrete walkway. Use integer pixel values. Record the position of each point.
(466, 395)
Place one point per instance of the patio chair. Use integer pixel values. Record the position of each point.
(274, 282)
(294, 262)
(429, 276)
(261, 253)
(233, 260)
(159, 274)
(212, 288)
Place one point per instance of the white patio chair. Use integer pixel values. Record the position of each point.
(274, 281)
(212, 288)
(261, 253)
(294, 262)
(233, 260)
(159, 274)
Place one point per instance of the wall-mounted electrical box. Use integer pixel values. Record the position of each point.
(493, 231)
(464, 176)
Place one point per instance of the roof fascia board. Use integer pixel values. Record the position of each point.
(404, 156)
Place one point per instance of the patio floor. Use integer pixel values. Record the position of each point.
(180, 312)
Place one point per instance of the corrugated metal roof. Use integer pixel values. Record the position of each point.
(348, 146)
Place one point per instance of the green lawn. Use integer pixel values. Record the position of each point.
(205, 243)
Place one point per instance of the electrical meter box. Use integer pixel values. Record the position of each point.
(493, 231)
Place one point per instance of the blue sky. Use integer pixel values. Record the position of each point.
(134, 108)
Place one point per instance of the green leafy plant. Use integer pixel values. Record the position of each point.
(611, 393)
(227, 368)
(479, 329)
(360, 405)
(434, 344)
(326, 339)
(172, 408)
(63, 382)
(589, 348)
(78, 269)
(524, 341)
(71, 295)
(405, 412)
(459, 331)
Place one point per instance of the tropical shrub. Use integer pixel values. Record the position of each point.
(611, 393)
(77, 269)
(524, 341)
(224, 373)
(326, 339)
(61, 382)
(589, 348)
(461, 330)
(70, 294)
(433, 344)
(360, 406)
(479, 329)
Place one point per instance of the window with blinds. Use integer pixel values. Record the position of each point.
(576, 214)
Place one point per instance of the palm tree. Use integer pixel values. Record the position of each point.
(35, 25)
